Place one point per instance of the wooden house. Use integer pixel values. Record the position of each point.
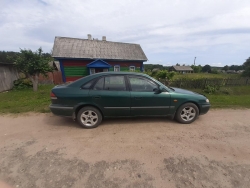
(81, 57)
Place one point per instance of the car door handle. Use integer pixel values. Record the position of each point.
(97, 97)
(137, 98)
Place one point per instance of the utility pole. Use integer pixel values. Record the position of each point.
(194, 60)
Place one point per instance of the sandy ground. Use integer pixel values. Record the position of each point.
(42, 150)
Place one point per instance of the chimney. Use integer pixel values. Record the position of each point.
(104, 38)
(89, 36)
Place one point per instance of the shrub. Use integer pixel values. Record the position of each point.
(22, 83)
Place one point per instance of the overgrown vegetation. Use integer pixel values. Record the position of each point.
(25, 100)
(162, 74)
(204, 75)
(229, 97)
(22, 83)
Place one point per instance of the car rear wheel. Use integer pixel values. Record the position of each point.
(89, 117)
(187, 113)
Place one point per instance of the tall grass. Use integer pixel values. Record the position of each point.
(205, 75)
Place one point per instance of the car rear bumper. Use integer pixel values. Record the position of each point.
(61, 110)
(204, 108)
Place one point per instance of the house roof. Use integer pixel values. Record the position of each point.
(65, 47)
(182, 68)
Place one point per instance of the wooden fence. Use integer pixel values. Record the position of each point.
(51, 78)
(202, 83)
(8, 74)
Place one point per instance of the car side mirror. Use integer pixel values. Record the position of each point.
(157, 90)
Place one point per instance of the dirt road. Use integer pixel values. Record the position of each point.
(42, 150)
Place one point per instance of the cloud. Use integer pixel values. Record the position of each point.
(170, 31)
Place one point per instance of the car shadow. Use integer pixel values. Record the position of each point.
(61, 121)
(136, 120)
(69, 122)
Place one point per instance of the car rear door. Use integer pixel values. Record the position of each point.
(110, 93)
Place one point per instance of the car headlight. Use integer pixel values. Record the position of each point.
(207, 100)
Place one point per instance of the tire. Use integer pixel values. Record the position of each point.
(89, 117)
(187, 113)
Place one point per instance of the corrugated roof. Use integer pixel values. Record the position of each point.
(65, 47)
(182, 68)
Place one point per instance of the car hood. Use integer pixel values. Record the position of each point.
(184, 91)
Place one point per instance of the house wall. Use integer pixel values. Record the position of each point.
(75, 69)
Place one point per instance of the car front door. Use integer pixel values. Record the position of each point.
(144, 100)
(110, 93)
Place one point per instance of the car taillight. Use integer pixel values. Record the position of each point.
(53, 96)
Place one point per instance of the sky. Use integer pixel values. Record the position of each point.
(216, 32)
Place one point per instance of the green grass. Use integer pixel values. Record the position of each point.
(229, 97)
(19, 101)
(204, 75)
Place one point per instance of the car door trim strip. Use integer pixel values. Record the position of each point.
(61, 107)
(117, 107)
(148, 107)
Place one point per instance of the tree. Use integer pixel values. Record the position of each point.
(7, 57)
(246, 66)
(225, 68)
(197, 69)
(206, 68)
(32, 64)
(177, 64)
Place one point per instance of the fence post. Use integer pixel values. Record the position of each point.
(247, 81)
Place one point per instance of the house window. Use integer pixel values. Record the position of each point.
(116, 68)
(92, 71)
(132, 68)
(105, 70)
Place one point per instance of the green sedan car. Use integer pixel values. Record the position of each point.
(123, 94)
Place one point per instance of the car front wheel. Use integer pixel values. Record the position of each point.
(89, 117)
(187, 113)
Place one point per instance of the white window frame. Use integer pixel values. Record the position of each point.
(92, 70)
(117, 66)
(132, 68)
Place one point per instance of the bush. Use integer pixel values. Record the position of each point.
(211, 89)
(22, 83)
(162, 74)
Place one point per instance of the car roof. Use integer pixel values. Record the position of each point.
(96, 75)
(119, 73)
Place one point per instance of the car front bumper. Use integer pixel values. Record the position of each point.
(61, 110)
(204, 108)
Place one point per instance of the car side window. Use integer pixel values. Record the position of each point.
(115, 83)
(88, 84)
(142, 84)
(99, 84)
(111, 83)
